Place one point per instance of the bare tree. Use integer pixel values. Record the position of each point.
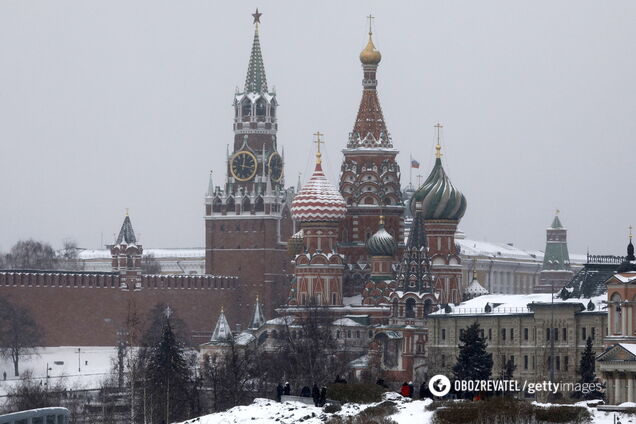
(68, 257)
(19, 334)
(31, 254)
(150, 264)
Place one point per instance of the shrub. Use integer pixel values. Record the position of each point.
(506, 410)
(355, 393)
(331, 408)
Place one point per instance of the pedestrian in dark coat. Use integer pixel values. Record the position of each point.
(424, 391)
(323, 395)
(315, 394)
(287, 389)
(411, 389)
(305, 392)
(279, 391)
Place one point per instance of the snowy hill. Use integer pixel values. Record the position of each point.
(267, 411)
(263, 411)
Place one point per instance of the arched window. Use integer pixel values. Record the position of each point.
(259, 206)
(246, 108)
(396, 308)
(617, 311)
(216, 205)
(230, 205)
(246, 205)
(260, 107)
(410, 308)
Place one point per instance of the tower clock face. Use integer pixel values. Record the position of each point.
(243, 165)
(275, 165)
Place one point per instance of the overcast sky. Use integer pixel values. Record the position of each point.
(108, 105)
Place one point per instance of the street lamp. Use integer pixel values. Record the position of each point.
(79, 361)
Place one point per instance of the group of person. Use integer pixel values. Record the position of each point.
(318, 394)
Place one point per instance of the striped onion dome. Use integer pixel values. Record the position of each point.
(318, 200)
(439, 198)
(381, 243)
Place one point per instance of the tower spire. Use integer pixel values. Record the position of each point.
(256, 81)
(369, 129)
(438, 146)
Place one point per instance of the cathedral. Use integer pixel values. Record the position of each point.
(342, 249)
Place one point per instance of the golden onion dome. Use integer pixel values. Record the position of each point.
(370, 55)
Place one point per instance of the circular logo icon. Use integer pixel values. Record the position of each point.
(439, 385)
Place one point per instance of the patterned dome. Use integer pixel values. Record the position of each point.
(439, 198)
(381, 243)
(318, 200)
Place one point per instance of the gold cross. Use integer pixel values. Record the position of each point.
(370, 18)
(438, 148)
(318, 141)
(126, 211)
(630, 232)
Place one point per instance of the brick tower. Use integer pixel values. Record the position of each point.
(248, 220)
(556, 271)
(441, 206)
(126, 254)
(369, 179)
(319, 208)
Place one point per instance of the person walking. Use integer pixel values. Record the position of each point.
(323, 395)
(411, 389)
(279, 391)
(315, 394)
(287, 389)
(305, 392)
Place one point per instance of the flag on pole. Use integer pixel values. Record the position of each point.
(415, 164)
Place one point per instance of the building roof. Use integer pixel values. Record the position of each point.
(126, 234)
(222, 330)
(258, 319)
(256, 81)
(438, 196)
(318, 200)
(501, 304)
(475, 289)
(414, 269)
(381, 243)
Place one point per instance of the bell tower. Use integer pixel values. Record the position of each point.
(369, 178)
(248, 220)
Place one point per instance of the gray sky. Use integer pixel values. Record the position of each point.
(116, 104)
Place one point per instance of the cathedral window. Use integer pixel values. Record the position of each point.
(260, 107)
(259, 206)
(410, 308)
(617, 314)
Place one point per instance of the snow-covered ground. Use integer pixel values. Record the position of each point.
(85, 369)
(267, 411)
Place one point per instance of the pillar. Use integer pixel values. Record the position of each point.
(630, 387)
(617, 389)
(630, 326)
(624, 320)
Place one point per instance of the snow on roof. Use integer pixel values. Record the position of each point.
(286, 320)
(514, 303)
(178, 253)
(471, 247)
(347, 322)
(352, 300)
(244, 338)
(626, 277)
(475, 288)
(630, 347)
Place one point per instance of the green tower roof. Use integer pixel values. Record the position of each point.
(256, 81)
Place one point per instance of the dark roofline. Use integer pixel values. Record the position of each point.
(56, 271)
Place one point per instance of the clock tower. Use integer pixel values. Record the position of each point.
(248, 219)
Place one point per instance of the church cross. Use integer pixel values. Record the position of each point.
(630, 232)
(318, 141)
(370, 18)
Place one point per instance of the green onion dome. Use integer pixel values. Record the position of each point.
(381, 243)
(439, 198)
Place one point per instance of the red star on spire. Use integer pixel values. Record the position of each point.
(257, 17)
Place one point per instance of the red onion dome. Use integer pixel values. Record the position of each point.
(318, 200)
